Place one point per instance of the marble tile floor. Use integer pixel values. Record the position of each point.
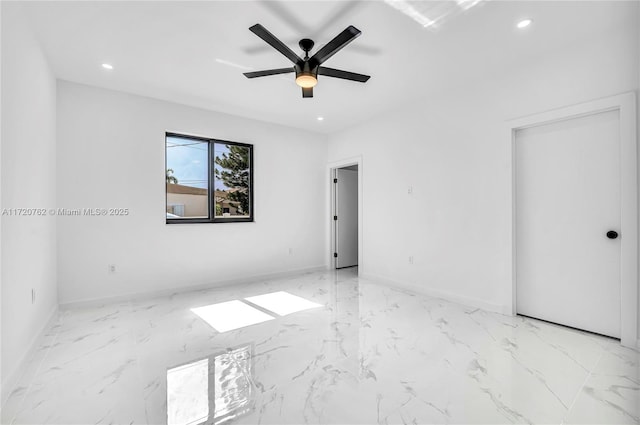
(368, 354)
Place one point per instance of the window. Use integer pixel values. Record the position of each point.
(207, 180)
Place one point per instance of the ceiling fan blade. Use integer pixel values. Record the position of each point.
(345, 75)
(268, 72)
(271, 39)
(307, 92)
(332, 47)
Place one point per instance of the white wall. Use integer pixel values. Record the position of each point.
(28, 181)
(451, 148)
(111, 154)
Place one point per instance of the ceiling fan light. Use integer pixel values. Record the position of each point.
(306, 80)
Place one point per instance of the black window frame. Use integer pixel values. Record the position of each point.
(211, 185)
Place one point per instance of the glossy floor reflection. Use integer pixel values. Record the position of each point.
(369, 354)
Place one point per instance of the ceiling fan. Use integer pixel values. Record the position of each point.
(308, 69)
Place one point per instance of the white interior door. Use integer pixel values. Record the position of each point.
(567, 199)
(346, 204)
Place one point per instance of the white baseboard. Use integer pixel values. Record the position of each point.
(448, 296)
(136, 296)
(13, 377)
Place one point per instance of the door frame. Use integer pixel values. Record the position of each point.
(626, 105)
(331, 167)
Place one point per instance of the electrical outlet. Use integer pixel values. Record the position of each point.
(411, 259)
(410, 190)
(112, 268)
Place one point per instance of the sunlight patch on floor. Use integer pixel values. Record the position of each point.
(282, 303)
(231, 315)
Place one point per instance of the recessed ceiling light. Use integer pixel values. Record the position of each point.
(524, 23)
(107, 66)
(320, 118)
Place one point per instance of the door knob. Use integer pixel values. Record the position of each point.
(612, 234)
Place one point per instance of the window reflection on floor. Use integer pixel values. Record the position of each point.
(233, 379)
(188, 393)
(220, 385)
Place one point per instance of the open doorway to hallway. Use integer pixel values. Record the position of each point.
(345, 216)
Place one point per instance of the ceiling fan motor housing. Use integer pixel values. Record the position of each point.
(306, 69)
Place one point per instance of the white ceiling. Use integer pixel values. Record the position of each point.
(195, 52)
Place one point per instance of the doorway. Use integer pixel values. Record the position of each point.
(345, 214)
(575, 217)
